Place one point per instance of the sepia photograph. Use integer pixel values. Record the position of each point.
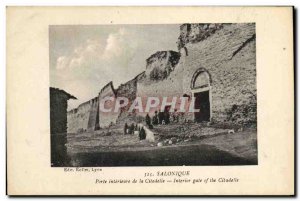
(153, 95)
(150, 101)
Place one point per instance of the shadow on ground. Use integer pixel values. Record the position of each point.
(192, 155)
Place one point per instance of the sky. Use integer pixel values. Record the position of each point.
(85, 58)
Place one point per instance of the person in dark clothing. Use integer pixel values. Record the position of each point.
(140, 138)
(125, 128)
(142, 134)
(167, 117)
(155, 119)
(148, 120)
(132, 128)
(160, 117)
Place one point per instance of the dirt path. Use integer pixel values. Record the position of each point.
(243, 144)
(168, 156)
(98, 149)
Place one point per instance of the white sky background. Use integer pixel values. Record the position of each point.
(85, 58)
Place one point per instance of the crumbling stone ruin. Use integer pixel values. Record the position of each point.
(193, 33)
(161, 64)
(216, 64)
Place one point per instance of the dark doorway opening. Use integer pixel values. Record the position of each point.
(202, 103)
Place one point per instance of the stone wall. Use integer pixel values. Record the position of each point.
(161, 64)
(170, 86)
(229, 57)
(107, 118)
(226, 52)
(72, 121)
(93, 122)
(128, 90)
(78, 118)
(193, 33)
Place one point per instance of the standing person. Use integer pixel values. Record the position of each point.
(125, 129)
(167, 117)
(142, 134)
(132, 128)
(175, 116)
(160, 117)
(148, 120)
(155, 119)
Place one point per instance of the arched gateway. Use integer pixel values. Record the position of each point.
(201, 90)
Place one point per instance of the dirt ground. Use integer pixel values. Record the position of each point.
(191, 155)
(241, 144)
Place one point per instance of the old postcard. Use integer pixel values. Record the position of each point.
(150, 101)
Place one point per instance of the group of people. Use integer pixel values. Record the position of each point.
(162, 118)
(130, 130)
(158, 118)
